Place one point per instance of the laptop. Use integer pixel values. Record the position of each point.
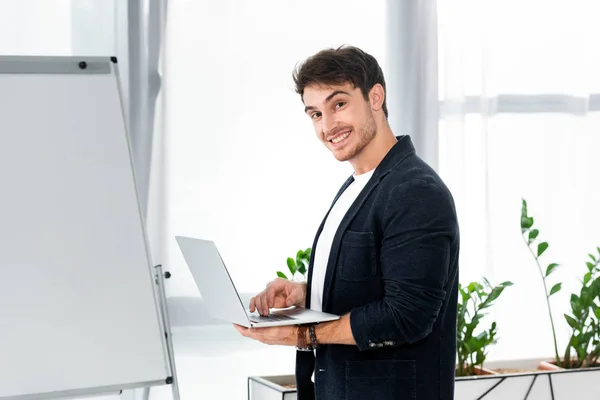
(221, 297)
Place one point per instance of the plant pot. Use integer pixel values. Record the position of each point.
(549, 365)
(481, 371)
(484, 371)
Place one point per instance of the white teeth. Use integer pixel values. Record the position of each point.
(340, 138)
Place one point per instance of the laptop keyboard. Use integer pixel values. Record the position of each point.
(269, 318)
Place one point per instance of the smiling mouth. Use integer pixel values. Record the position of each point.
(339, 138)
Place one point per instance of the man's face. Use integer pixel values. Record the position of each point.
(342, 118)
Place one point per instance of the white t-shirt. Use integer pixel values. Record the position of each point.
(325, 240)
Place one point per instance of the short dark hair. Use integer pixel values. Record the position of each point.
(339, 66)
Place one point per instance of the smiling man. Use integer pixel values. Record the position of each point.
(385, 257)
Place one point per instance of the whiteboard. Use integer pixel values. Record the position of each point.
(78, 305)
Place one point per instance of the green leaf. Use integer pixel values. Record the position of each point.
(524, 209)
(464, 295)
(586, 297)
(590, 266)
(302, 268)
(555, 289)
(587, 277)
(574, 342)
(526, 223)
(551, 269)
(542, 248)
(281, 275)
(533, 234)
(571, 321)
(592, 257)
(480, 358)
(497, 291)
(574, 298)
(291, 265)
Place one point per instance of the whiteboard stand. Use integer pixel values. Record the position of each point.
(160, 277)
(75, 258)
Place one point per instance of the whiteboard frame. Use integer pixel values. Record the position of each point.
(85, 66)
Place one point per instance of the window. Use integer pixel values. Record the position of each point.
(520, 118)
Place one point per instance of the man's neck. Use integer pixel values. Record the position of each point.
(370, 157)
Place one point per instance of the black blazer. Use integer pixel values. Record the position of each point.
(394, 266)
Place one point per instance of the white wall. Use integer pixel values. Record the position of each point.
(244, 165)
(35, 27)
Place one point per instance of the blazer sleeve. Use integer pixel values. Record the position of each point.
(418, 229)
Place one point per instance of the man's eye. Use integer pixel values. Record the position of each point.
(315, 115)
(340, 104)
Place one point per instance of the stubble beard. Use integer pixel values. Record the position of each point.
(365, 133)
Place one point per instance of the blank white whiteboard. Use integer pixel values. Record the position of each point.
(78, 306)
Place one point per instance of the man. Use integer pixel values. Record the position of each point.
(385, 258)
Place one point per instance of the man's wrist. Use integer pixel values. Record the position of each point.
(303, 339)
(335, 332)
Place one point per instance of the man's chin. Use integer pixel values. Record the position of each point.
(341, 155)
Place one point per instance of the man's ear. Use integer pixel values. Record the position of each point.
(376, 97)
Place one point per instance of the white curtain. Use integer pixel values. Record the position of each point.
(520, 119)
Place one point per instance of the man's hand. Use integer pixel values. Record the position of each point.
(277, 335)
(280, 293)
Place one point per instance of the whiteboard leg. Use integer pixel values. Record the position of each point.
(160, 277)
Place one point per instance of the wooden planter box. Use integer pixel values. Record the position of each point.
(519, 379)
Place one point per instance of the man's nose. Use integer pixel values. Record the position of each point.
(329, 124)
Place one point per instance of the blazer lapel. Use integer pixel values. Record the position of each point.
(402, 149)
(337, 239)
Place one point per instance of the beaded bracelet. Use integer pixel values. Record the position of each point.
(313, 337)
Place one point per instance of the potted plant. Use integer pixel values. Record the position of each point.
(575, 375)
(583, 348)
(471, 348)
(297, 267)
(537, 248)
